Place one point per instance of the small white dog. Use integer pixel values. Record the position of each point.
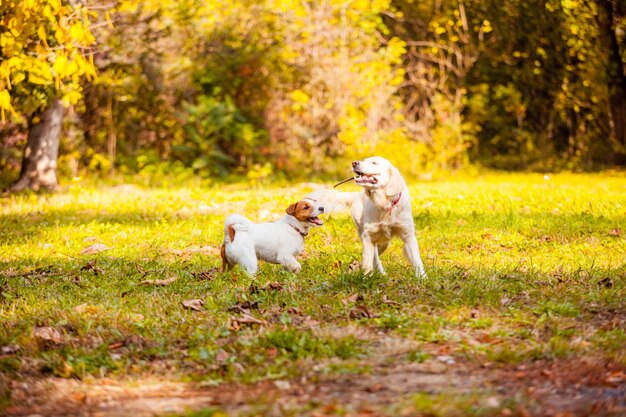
(276, 242)
(382, 210)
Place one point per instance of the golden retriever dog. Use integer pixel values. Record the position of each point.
(380, 211)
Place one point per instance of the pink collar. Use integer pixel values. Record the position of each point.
(395, 202)
(300, 232)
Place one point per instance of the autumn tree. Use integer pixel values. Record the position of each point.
(43, 56)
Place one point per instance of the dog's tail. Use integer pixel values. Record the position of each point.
(334, 201)
(235, 223)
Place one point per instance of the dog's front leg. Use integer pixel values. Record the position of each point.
(369, 253)
(411, 251)
(291, 264)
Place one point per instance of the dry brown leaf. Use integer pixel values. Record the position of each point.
(615, 378)
(48, 334)
(205, 275)
(9, 349)
(235, 323)
(606, 282)
(274, 286)
(522, 411)
(221, 357)
(361, 311)
(390, 302)
(86, 308)
(95, 248)
(354, 266)
(91, 266)
(352, 299)
(294, 310)
(116, 345)
(193, 304)
(617, 232)
(159, 281)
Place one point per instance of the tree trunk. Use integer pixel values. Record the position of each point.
(39, 166)
(616, 79)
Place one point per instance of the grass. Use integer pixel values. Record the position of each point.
(521, 268)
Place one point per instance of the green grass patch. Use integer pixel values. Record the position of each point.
(520, 267)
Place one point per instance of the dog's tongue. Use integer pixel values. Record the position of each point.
(317, 221)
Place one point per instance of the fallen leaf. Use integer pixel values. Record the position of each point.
(352, 299)
(9, 349)
(48, 334)
(294, 310)
(244, 307)
(617, 232)
(90, 266)
(606, 282)
(86, 308)
(505, 301)
(390, 302)
(487, 236)
(205, 275)
(375, 388)
(116, 345)
(95, 248)
(447, 359)
(273, 286)
(79, 397)
(444, 350)
(221, 357)
(244, 319)
(193, 304)
(282, 385)
(360, 311)
(493, 402)
(159, 281)
(615, 378)
(523, 412)
(354, 266)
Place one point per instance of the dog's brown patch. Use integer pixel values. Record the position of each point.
(225, 262)
(301, 210)
(231, 233)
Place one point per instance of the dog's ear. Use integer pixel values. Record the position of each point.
(292, 209)
(396, 182)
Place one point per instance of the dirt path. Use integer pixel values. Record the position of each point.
(572, 388)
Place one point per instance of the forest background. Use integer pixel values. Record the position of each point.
(261, 89)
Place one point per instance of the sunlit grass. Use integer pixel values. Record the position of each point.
(520, 267)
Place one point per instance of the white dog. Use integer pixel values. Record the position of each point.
(382, 210)
(276, 242)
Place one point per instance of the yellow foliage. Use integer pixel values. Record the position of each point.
(42, 47)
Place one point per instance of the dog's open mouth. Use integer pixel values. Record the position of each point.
(316, 221)
(363, 178)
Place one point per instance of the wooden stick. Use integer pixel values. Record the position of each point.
(343, 182)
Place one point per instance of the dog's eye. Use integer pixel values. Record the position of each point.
(374, 163)
(306, 207)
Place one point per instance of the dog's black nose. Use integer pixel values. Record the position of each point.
(355, 163)
(321, 209)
